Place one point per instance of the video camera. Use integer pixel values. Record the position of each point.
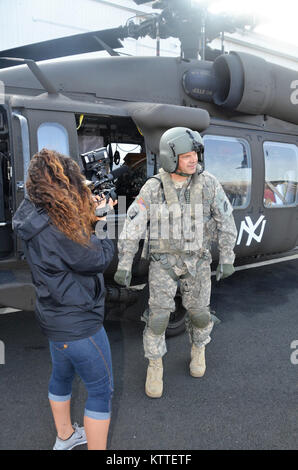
(98, 175)
(96, 169)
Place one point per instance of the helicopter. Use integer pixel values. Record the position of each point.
(244, 107)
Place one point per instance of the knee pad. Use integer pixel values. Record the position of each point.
(158, 321)
(200, 317)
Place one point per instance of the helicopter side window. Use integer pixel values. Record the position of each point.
(53, 136)
(281, 174)
(229, 160)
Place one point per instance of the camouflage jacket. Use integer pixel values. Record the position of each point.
(217, 220)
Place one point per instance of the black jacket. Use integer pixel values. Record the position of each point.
(67, 276)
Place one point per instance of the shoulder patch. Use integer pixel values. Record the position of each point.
(142, 204)
(132, 211)
(223, 204)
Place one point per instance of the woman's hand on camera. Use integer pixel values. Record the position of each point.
(100, 203)
(112, 203)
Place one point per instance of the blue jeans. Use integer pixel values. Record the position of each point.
(91, 359)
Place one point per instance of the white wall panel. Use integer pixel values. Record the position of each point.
(29, 21)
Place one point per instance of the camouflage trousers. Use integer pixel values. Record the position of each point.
(195, 292)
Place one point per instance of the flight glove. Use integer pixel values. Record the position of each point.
(224, 270)
(123, 277)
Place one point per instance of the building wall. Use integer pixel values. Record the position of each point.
(39, 20)
(28, 21)
(269, 49)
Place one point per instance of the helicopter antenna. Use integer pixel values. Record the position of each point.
(203, 35)
(37, 72)
(157, 38)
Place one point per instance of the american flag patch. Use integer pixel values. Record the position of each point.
(142, 203)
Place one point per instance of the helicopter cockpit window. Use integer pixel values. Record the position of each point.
(281, 174)
(229, 160)
(53, 136)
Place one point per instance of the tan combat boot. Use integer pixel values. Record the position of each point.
(154, 383)
(197, 364)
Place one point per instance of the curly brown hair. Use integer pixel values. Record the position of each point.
(56, 184)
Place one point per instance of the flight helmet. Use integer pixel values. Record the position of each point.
(176, 141)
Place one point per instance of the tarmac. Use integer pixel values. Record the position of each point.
(247, 399)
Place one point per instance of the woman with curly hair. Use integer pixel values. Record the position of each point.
(56, 222)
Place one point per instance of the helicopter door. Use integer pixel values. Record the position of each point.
(32, 130)
(229, 159)
(54, 130)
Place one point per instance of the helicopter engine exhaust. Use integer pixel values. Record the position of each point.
(242, 82)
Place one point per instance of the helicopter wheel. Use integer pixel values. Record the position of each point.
(176, 324)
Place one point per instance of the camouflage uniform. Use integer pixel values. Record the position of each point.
(183, 260)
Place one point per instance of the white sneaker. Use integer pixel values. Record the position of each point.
(76, 439)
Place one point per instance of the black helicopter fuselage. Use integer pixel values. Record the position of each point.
(244, 107)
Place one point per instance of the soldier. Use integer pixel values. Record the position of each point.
(179, 211)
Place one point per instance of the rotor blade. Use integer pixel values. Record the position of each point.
(66, 46)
